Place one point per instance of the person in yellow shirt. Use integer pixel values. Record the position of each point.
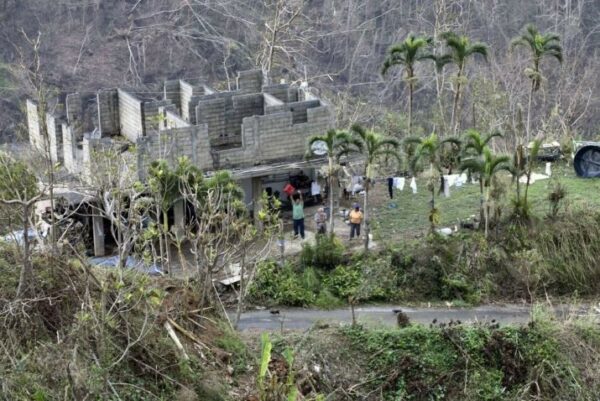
(356, 218)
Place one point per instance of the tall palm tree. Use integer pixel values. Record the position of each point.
(431, 149)
(487, 167)
(375, 149)
(333, 141)
(406, 54)
(460, 50)
(540, 45)
(475, 145)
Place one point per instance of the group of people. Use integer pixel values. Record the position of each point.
(355, 216)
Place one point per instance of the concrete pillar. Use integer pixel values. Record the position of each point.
(98, 231)
(256, 195)
(179, 213)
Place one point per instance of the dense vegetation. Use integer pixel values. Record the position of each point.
(553, 256)
(339, 46)
(543, 360)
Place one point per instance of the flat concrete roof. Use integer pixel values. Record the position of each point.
(271, 168)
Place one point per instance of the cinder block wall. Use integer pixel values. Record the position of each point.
(187, 93)
(171, 92)
(131, 119)
(74, 107)
(70, 159)
(33, 125)
(55, 136)
(172, 119)
(108, 112)
(170, 144)
(276, 137)
(250, 81)
(152, 115)
(298, 109)
(283, 92)
(224, 112)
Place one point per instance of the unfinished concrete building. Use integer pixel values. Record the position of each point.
(259, 132)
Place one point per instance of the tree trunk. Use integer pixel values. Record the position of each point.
(455, 121)
(410, 104)
(487, 210)
(24, 287)
(527, 132)
(52, 216)
(166, 235)
(331, 196)
(439, 94)
(481, 216)
(242, 294)
(366, 215)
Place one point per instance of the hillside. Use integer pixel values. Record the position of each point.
(337, 45)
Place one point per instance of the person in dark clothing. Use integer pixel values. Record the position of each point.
(391, 187)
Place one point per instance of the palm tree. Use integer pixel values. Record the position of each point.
(486, 167)
(522, 165)
(333, 140)
(540, 46)
(475, 146)
(461, 49)
(431, 149)
(406, 54)
(375, 148)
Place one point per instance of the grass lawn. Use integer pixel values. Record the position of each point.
(407, 214)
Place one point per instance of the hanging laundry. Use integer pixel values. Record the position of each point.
(413, 185)
(446, 187)
(399, 183)
(451, 179)
(356, 184)
(459, 181)
(390, 181)
(315, 188)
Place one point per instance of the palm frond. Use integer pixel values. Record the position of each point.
(479, 48)
(412, 140)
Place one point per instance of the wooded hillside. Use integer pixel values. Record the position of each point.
(339, 45)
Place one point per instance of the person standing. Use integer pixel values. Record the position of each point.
(321, 221)
(298, 215)
(356, 218)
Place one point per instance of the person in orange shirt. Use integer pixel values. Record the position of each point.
(356, 218)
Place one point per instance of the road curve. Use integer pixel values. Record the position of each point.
(300, 319)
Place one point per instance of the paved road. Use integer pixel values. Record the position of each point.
(299, 319)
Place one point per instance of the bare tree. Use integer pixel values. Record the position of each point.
(19, 190)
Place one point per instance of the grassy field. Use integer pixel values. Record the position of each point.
(407, 214)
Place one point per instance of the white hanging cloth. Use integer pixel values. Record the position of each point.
(399, 183)
(315, 188)
(413, 185)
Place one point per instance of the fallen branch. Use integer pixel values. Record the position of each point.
(187, 333)
(175, 339)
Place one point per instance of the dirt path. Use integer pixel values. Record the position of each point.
(300, 319)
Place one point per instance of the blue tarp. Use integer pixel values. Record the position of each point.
(131, 263)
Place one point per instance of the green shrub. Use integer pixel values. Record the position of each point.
(343, 281)
(456, 362)
(326, 253)
(283, 285)
(458, 286)
(326, 300)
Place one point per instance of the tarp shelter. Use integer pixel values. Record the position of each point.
(587, 161)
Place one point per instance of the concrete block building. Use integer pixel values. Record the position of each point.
(258, 132)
